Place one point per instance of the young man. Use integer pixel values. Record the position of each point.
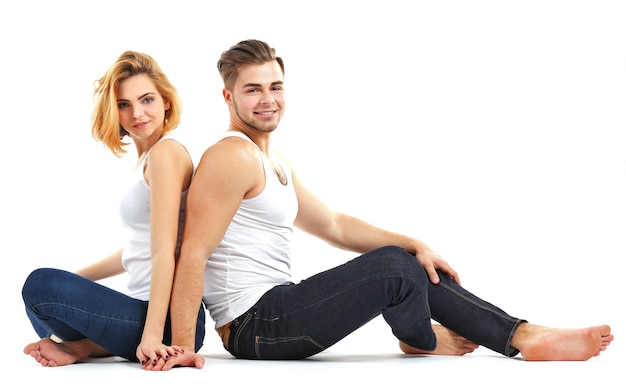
(242, 206)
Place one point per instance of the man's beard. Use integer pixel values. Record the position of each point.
(254, 124)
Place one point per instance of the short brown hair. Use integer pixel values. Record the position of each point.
(247, 52)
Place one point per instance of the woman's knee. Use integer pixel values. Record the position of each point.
(35, 279)
(42, 281)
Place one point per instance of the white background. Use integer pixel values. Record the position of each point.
(492, 130)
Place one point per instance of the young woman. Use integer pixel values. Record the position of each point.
(78, 318)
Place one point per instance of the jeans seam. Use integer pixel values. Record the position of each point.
(355, 285)
(277, 340)
(508, 351)
(36, 309)
(473, 302)
(240, 328)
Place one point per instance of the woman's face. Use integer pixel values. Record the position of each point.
(141, 107)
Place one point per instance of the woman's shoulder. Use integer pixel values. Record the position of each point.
(169, 151)
(168, 144)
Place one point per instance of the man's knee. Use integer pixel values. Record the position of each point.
(396, 260)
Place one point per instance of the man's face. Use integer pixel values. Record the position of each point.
(257, 98)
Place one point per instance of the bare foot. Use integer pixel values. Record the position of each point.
(539, 343)
(51, 354)
(449, 343)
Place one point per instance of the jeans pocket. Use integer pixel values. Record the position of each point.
(286, 348)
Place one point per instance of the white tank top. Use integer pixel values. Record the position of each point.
(255, 253)
(135, 215)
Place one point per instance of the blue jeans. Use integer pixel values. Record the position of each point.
(73, 307)
(295, 321)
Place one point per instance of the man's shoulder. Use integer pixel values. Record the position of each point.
(231, 150)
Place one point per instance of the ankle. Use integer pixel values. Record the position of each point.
(522, 333)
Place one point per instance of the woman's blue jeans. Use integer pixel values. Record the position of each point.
(73, 307)
(296, 321)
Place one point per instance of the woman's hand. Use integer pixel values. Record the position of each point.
(153, 356)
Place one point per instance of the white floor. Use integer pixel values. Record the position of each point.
(332, 370)
(348, 364)
(369, 357)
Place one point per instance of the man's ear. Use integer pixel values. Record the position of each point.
(228, 96)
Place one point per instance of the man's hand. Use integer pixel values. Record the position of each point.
(186, 358)
(432, 262)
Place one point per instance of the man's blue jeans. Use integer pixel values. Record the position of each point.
(296, 321)
(72, 307)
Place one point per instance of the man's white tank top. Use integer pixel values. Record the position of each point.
(255, 253)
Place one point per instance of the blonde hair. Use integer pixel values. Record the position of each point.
(105, 125)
